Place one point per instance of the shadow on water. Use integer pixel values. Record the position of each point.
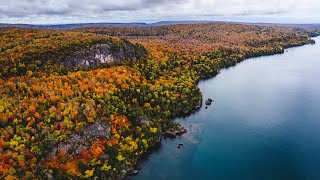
(145, 157)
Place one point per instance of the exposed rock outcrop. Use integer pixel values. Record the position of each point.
(105, 53)
(75, 143)
(175, 133)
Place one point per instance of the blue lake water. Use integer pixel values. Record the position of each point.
(263, 125)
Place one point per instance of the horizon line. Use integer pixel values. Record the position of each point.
(158, 22)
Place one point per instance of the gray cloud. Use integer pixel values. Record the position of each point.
(40, 7)
(60, 11)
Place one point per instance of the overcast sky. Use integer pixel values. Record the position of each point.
(82, 11)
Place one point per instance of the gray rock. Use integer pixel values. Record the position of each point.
(49, 176)
(105, 157)
(209, 101)
(75, 143)
(144, 121)
(97, 130)
(104, 53)
(175, 133)
(135, 172)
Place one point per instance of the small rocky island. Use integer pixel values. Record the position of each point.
(208, 102)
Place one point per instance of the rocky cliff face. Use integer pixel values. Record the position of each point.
(105, 53)
(77, 142)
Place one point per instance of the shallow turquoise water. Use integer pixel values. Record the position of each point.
(264, 124)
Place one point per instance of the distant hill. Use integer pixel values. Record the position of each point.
(166, 23)
(160, 23)
(81, 25)
(73, 26)
(315, 25)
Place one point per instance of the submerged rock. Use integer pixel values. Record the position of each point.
(180, 145)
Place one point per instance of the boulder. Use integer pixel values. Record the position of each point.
(209, 101)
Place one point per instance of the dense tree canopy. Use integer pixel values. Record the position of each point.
(46, 115)
(35, 50)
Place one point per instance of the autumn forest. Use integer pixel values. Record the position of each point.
(67, 118)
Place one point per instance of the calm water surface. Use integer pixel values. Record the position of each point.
(264, 124)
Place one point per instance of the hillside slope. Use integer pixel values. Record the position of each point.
(35, 50)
